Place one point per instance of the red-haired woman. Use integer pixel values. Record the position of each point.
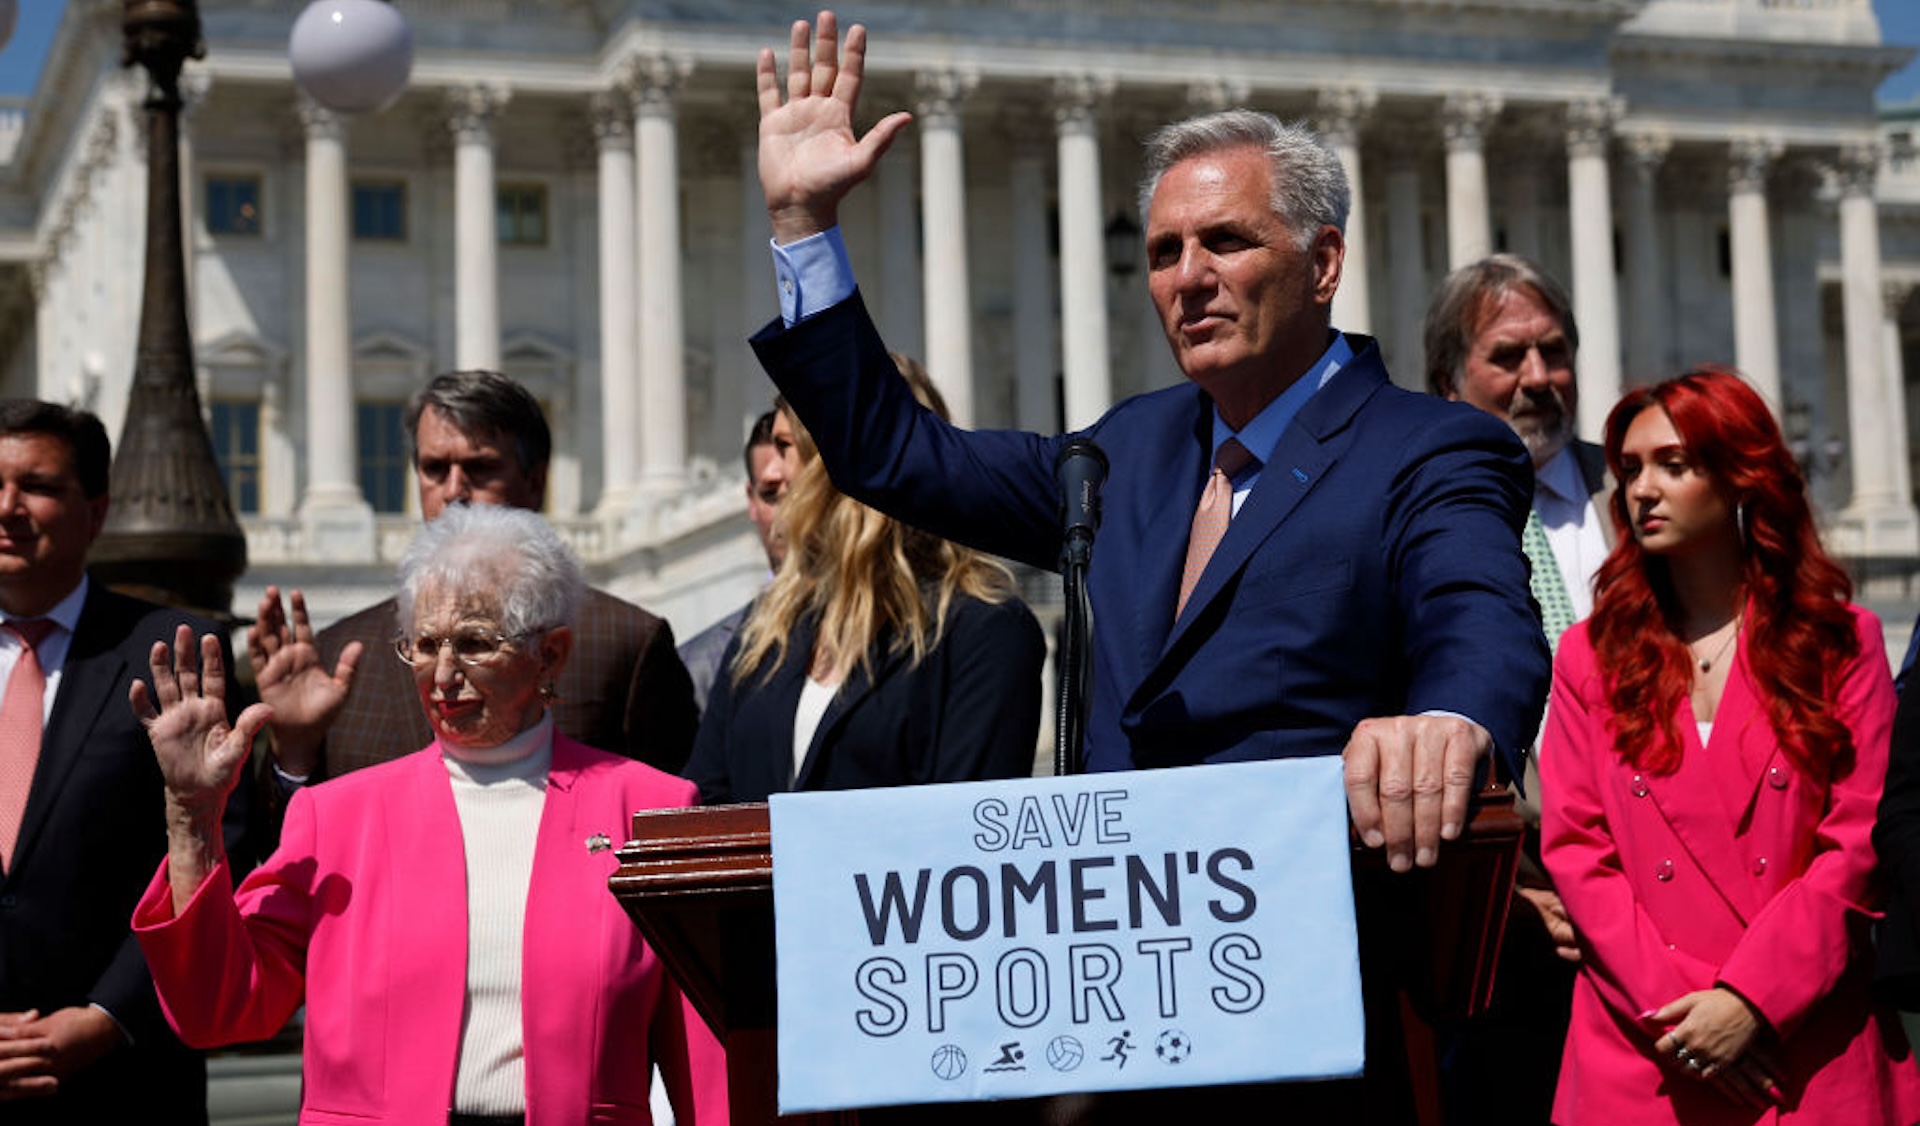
(1715, 747)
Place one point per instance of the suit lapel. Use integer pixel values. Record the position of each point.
(1702, 801)
(558, 912)
(1592, 460)
(429, 874)
(93, 678)
(858, 686)
(1303, 456)
(1150, 510)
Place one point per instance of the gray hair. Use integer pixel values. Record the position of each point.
(512, 553)
(1308, 183)
(486, 404)
(1465, 298)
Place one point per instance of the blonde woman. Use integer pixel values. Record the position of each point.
(879, 656)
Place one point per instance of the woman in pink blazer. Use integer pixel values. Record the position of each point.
(444, 917)
(1715, 747)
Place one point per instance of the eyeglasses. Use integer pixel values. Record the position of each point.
(473, 648)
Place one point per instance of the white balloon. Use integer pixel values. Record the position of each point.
(353, 56)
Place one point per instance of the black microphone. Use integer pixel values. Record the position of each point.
(1081, 469)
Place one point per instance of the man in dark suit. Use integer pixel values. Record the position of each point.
(478, 438)
(82, 821)
(1500, 335)
(766, 483)
(1368, 596)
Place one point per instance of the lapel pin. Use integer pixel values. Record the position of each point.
(599, 842)
(1300, 475)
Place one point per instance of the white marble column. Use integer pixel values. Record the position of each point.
(476, 252)
(899, 305)
(1648, 307)
(619, 366)
(1340, 115)
(1756, 347)
(1596, 296)
(1033, 354)
(1521, 157)
(1406, 263)
(1880, 519)
(1466, 119)
(756, 275)
(1083, 257)
(662, 426)
(1893, 300)
(943, 170)
(337, 520)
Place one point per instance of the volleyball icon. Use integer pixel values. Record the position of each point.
(1064, 1053)
(949, 1061)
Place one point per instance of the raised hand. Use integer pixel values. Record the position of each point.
(809, 156)
(200, 756)
(287, 669)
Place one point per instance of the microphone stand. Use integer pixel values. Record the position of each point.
(1070, 733)
(1081, 469)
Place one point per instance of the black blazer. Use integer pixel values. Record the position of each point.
(1896, 838)
(969, 711)
(92, 837)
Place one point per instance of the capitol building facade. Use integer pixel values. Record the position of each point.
(566, 192)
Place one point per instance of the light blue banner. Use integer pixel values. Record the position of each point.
(996, 940)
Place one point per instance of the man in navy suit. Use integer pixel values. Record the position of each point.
(82, 1037)
(1368, 597)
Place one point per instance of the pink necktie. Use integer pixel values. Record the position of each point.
(1211, 517)
(22, 716)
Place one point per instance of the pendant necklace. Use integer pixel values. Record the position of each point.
(1706, 663)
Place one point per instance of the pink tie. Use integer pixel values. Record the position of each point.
(22, 716)
(1211, 517)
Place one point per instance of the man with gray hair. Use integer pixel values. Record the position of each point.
(1350, 580)
(1500, 335)
(478, 438)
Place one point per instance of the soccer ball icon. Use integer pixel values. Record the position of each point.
(1064, 1053)
(949, 1061)
(1172, 1046)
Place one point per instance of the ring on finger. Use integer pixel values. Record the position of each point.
(1681, 1053)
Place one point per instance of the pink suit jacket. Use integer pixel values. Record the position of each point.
(362, 915)
(1735, 869)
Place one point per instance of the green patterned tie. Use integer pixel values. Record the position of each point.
(1549, 590)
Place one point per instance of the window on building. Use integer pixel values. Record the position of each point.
(236, 446)
(233, 205)
(384, 472)
(380, 210)
(522, 214)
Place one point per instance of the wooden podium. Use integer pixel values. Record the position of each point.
(699, 882)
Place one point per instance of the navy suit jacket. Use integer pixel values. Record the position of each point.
(93, 833)
(1374, 570)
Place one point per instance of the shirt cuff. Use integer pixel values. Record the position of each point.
(812, 274)
(104, 1011)
(287, 783)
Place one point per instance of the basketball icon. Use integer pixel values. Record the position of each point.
(1064, 1053)
(949, 1061)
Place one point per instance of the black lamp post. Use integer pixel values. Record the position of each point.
(170, 534)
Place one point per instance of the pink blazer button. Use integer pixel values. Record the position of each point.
(1664, 872)
(1639, 786)
(1777, 777)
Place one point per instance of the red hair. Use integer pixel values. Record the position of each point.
(1797, 622)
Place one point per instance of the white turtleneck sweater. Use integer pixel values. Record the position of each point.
(499, 792)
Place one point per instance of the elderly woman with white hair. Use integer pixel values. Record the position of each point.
(444, 917)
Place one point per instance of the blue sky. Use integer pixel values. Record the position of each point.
(20, 59)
